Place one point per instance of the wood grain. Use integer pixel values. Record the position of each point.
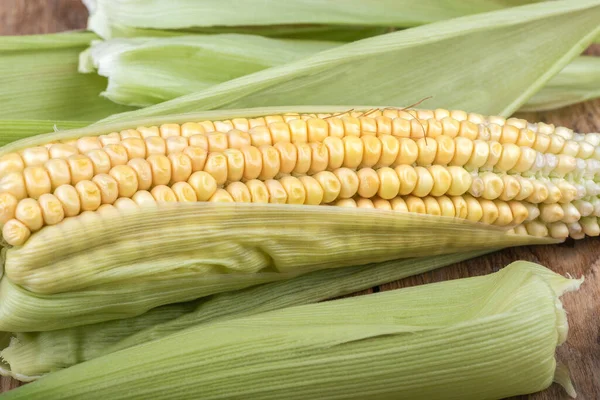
(582, 351)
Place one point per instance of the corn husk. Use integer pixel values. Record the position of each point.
(110, 18)
(145, 71)
(13, 130)
(388, 69)
(39, 79)
(485, 337)
(578, 82)
(27, 356)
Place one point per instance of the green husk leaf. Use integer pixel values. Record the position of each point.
(389, 69)
(578, 82)
(147, 71)
(13, 130)
(39, 79)
(492, 336)
(89, 270)
(31, 355)
(110, 18)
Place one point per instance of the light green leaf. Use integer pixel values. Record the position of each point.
(578, 82)
(39, 79)
(147, 71)
(18, 129)
(110, 18)
(517, 52)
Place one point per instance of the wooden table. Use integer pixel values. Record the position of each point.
(582, 350)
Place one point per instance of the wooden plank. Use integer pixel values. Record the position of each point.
(581, 352)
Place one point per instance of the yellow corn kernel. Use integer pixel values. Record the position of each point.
(88, 143)
(509, 158)
(468, 130)
(239, 192)
(494, 154)
(540, 193)
(169, 130)
(586, 150)
(143, 172)
(199, 141)
(408, 152)
(163, 194)
(432, 207)
(203, 184)
(176, 144)
(304, 158)
(526, 160)
(415, 204)
(460, 181)
(558, 230)
(225, 126)
(401, 127)
(117, 154)
(198, 156)
(350, 203)
(13, 183)
(124, 204)
(277, 193)
(398, 204)
(130, 133)
(427, 151)
(209, 126)
(590, 226)
(329, 183)
(510, 134)
(446, 206)
(147, 132)
(298, 131)
(565, 165)
(236, 139)
(156, 145)
(434, 128)
(351, 126)
(11, 162)
(490, 211)
(235, 164)
(336, 127)
(567, 191)
(260, 193)
(364, 203)
(135, 147)
(557, 143)
(8, 207)
(100, 161)
(314, 191)
(424, 182)
(463, 151)
(554, 193)
(160, 166)
(319, 158)
(511, 189)
(288, 156)
(459, 115)
(353, 151)
(89, 195)
(181, 167)
(109, 188)
(445, 150)
(348, 182)
(126, 179)
(37, 181)
(384, 125)
(381, 204)
(318, 129)
(216, 165)
(460, 206)
(442, 180)
(408, 178)
(505, 215)
(477, 186)
(372, 149)
(493, 186)
(184, 192)
(81, 168)
(474, 208)
(35, 156)
(441, 113)
(536, 228)
(450, 126)
(551, 212)
(520, 213)
(389, 183)
(280, 132)
(479, 158)
(369, 182)
(70, 200)
(142, 198)
(15, 233)
(517, 122)
(418, 128)
(52, 209)
(241, 124)
(61, 150)
(390, 147)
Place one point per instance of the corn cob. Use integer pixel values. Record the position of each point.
(313, 159)
(485, 337)
(174, 210)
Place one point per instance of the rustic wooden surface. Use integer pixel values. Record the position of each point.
(581, 352)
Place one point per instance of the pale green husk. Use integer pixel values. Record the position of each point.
(13, 130)
(116, 266)
(110, 18)
(39, 79)
(145, 71)
(578, 82)
(30, 355)
(488, 63)
(485, 337)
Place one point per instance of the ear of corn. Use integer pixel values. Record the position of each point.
(388, 69)
(30, 355)
(58, 92)
(121, 207)
(492, 337)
